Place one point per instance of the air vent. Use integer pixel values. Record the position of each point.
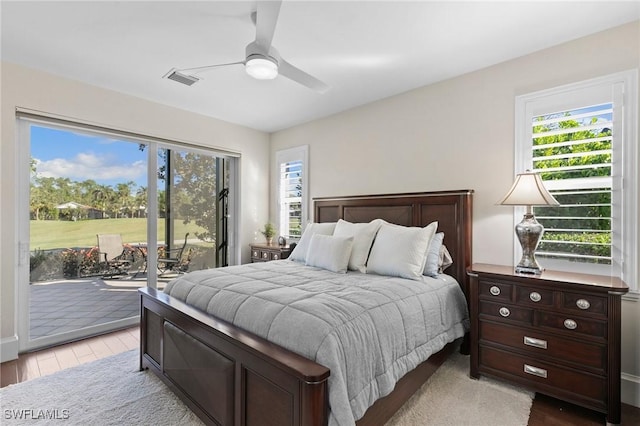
(176, 75)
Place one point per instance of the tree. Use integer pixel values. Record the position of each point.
(194, 191)
(124, 199)
(140, 201)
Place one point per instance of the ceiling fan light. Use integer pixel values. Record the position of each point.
(261, 68)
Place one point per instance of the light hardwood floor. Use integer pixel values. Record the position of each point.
(545, 411)
(36, 364)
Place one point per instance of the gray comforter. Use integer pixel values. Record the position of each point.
(369, 330)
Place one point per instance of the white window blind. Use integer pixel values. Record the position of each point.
(291, 198)
(572, 151)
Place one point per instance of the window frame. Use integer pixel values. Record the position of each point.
(622, 90)
(299, 153)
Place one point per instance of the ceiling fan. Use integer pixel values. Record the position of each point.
(262, 61)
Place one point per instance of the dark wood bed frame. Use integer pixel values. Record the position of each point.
(228, 376)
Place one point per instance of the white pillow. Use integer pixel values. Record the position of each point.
(363, 235)
(400, 251)
(432, 265)
(329, 252)
(299, 253)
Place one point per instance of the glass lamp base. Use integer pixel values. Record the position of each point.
(529, 232)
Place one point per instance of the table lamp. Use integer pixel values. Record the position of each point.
(528, 190)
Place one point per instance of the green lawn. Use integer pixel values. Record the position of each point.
(51, 234)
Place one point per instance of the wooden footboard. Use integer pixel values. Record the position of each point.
(225, 375)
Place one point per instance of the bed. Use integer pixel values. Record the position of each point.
(229, 376)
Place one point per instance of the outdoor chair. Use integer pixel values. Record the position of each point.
(175, 260)
(114, 258)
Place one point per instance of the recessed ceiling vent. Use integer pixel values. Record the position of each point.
(176, 75)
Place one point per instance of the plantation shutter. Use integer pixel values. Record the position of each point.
(291, 198)
(572, 150)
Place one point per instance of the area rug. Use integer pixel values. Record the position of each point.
(111, 391)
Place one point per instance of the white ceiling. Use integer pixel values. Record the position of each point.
(365, 51)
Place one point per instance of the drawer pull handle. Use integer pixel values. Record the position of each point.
(536, 343)
(535, 296)
(505, 312)
(495, 290)
(583, 304)
(265, 255)
(540, 372)
(570, 324)
(275, 257)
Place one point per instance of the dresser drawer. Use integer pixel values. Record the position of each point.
(495, 290)
(255, 254)
(574, 325)
(534, 297)
(585, 304)
(537, 343)
(274, 255)
(507, 312)
(587, 385)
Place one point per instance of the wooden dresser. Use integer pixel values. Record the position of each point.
(556, 333)
(265, 253)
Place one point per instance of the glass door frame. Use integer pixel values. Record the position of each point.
(22, 243)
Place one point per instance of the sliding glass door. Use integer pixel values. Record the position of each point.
(106, 214)
(189, 185)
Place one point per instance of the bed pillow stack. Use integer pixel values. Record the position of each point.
(377, 247)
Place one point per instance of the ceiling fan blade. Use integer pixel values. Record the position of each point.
(204, 68)
(296, 74)
(188, 76)
(266, 19)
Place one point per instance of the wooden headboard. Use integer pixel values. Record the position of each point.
(452, 210)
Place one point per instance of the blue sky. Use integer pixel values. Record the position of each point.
(62, 153)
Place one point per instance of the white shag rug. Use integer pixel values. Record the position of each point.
(452, 398)
(111, 391)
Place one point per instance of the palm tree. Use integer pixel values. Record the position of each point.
(141, 200)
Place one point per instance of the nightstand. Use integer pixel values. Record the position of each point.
(265, 253)
(557, 333)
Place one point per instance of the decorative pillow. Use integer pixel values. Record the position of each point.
(400, 251)
(432, 265)
(445, 259)
(329, 252)
(363, 235)
(299, 253)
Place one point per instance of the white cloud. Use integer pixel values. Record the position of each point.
(90, 166)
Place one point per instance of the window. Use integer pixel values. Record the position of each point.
(581, 140)
(291, 176)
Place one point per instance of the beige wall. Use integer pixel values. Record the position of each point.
(26, 88)
(458, 134)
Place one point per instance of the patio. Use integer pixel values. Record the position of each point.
(66, 305)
